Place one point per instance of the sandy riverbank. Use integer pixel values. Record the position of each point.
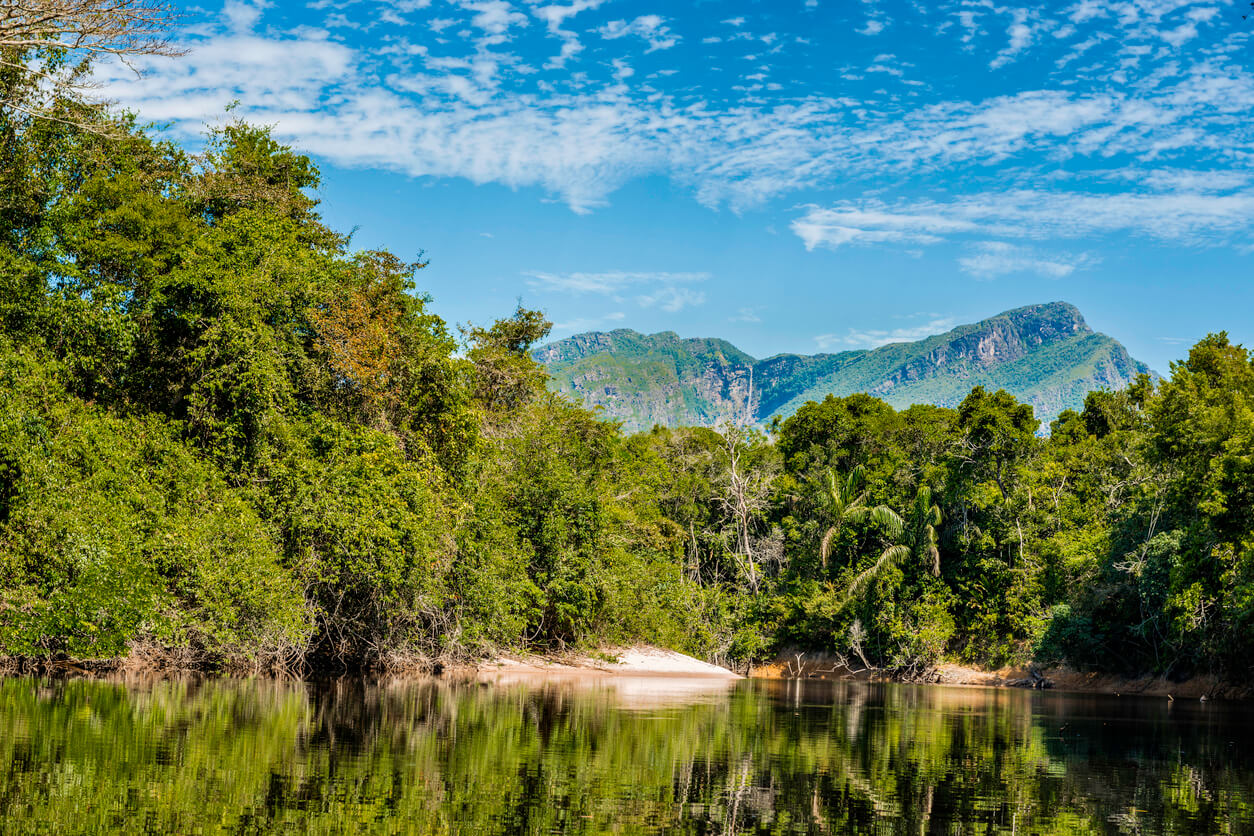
(638, 677)
(616, 661)
(642, 668)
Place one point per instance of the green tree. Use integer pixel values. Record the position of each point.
(846, 502)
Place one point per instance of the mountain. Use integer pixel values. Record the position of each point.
(1046, 355)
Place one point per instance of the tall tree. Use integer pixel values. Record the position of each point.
(846, 501)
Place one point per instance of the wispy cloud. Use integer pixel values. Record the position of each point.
(670, 292)
(672, 299)
(468, 108)
(1183, 217)
(651, 28)
(554, 16)
(853, 224)
(863, 339)
(608, 283)
(991, 259)
(588, 323)
(1020, 35)
(493, 16)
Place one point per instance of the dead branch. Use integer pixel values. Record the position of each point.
(124, 29)
(47, 48)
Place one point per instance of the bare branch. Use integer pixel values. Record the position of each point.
(124, 28)
(52, 43)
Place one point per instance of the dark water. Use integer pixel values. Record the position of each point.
(627, 756)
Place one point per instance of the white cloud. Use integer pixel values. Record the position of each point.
(616, 281)
(554, 15)
(1181, 217)
(241, 15)
(584, 323)
(651, 28)
(672, 292)
(991, 259)
(746, 315)
(672, 299)
(1020, 35)
(462, 108)
(864, 339)
(851, 224)
(494, 17)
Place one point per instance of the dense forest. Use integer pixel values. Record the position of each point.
(229, 438)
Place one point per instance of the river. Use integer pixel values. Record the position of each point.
(612, 755)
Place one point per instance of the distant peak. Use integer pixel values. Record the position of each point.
(1056, 312)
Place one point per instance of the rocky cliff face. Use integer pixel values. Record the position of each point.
(1045, 354)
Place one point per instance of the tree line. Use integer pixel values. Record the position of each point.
(230, 438)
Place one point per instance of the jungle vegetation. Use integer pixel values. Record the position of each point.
(229, 438)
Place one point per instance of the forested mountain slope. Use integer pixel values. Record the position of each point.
(1046, 355)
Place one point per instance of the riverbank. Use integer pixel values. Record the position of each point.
(636, 661)
(824, 667)
(614, 661)
(646, 662)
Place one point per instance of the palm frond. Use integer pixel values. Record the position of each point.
(891, 556)
(886, 518)
(855, 479)
(825, 547)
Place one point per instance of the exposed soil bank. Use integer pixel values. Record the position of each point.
(821, 666)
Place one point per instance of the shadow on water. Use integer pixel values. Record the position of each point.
(618, 756)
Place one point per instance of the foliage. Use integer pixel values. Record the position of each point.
(228, 437)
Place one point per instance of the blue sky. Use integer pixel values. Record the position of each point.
(794, 175)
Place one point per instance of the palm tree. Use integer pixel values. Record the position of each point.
(919, 538)
(921, 532)
(847, 502)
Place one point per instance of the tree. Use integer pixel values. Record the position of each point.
(847, 503)
(505, 374)
(745, 481)
(49, 45)
(920, 530)
(997, 434)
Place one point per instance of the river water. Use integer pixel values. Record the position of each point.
(645, 755)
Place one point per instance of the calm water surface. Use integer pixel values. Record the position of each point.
(620, 756)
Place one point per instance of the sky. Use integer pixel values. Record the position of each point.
(792, 175)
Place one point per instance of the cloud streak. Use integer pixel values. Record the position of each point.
(1182, 217)
(468, 108)
(867, 339)
(669, 292)
(608, 283)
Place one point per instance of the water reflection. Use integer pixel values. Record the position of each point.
(647, 755)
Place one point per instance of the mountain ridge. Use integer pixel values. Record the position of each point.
(1045, 354)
